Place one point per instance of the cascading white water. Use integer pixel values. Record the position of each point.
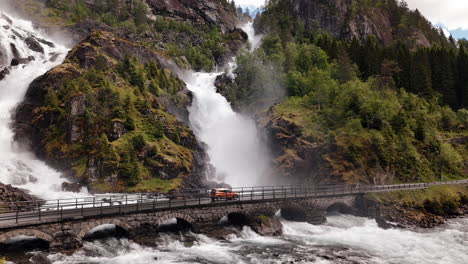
(255, 40)
(19, 167)
(234, 144)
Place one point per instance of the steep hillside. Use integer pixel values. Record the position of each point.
(114, 116)
(197, 34)
(103, 116)
(355, 106)
(388, 21)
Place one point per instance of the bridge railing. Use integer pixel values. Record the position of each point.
(48, 210)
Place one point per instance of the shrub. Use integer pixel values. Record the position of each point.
(450, 207)
(433, 207)
(138, 142)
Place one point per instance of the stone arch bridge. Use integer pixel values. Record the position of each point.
(65, 227)
(68, 233)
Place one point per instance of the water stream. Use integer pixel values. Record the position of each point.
(18, 166)
(344, 239)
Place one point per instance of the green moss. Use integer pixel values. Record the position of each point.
(79, 167)
(157, 185)
(265, 220)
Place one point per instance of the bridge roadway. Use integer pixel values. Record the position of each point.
(77, 208)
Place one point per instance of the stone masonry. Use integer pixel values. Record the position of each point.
(69, 234)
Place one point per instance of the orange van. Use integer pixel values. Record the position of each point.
(223, 194)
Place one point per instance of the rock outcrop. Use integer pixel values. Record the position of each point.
(350, 19)
(12, 198)
(209, 12)
(297, 158)
(125, 118)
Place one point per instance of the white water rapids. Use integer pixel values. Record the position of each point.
(19, 167)
(344, 239)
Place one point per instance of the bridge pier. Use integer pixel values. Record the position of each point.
(65, 240)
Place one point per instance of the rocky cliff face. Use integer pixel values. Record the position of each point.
(103, 117)
(297, 158)
(348, 19)
(211, 12)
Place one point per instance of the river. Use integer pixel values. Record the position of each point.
(344, 239)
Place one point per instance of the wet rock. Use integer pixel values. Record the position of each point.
(45, 42)
(267, 226)
(18, 61)
(118, 130)
(14, 50)
(40, 258)
(53, 56)
(4, 72)
(7, 18)
(78, 105)
(34, 45)
(3, 56)
(17, 34)
(71, 187)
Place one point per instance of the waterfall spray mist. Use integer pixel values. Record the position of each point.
(234, 144)
(17, 166)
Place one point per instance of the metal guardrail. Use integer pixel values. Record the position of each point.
(57, 210)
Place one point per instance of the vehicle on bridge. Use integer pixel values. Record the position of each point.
(223, 194)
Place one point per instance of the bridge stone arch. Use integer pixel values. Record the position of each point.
(27, 232)
(170, 216)
(91, 225)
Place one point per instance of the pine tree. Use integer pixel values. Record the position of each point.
(462, 78)
(421, 82)
(443, 74)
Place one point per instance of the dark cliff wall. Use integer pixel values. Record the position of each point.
(388, 21)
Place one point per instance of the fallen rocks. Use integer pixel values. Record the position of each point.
(12, 198)
(72, 187)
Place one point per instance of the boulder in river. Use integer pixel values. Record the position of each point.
(34, 45)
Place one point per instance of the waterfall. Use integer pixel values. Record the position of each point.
(255, 40)
(33, 55)
(234, 144)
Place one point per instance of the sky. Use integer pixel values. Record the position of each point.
(450, 14)
(250, 2)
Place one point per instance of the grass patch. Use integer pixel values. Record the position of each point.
(157, 185)
(416, 198)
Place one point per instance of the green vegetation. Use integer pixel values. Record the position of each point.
(190, 45)
(129, 15)
(122, 99)
(205, 52)
(438, 200)
(383, 114)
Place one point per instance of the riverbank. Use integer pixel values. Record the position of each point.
(425, 208)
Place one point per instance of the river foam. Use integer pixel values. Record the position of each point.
(344, 239)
